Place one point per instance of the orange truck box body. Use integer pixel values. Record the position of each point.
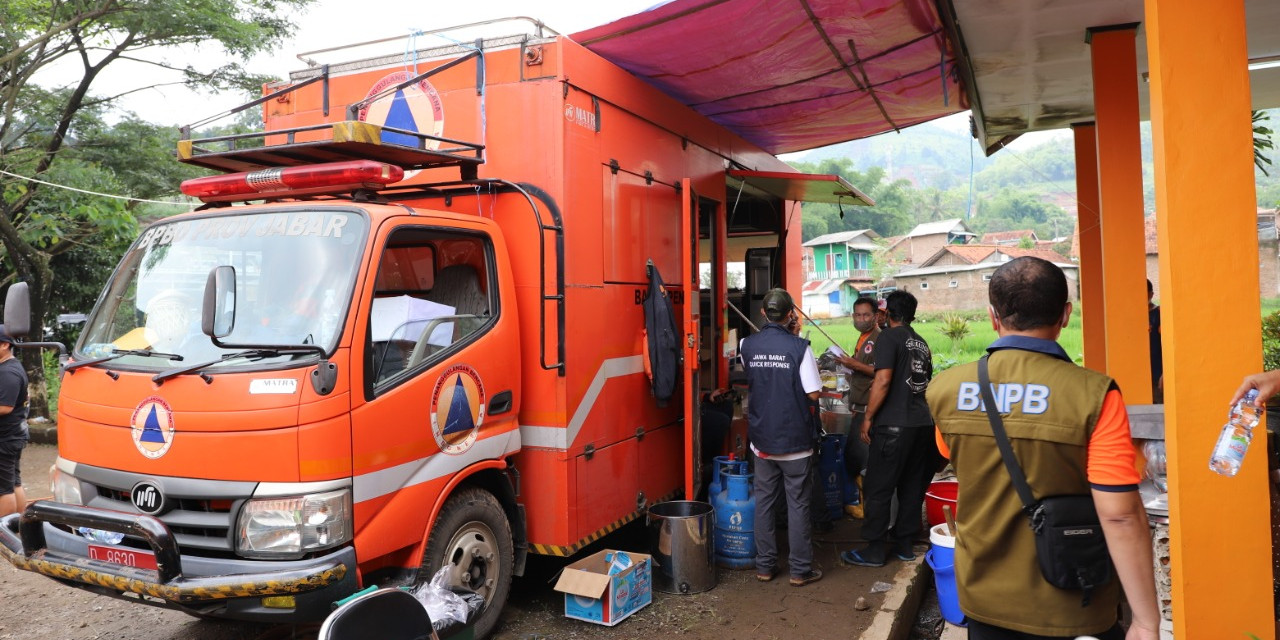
(586, 447)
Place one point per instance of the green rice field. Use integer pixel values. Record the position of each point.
(945, 353)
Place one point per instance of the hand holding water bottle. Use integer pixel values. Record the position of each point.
(1233, 443)
(1267, 384)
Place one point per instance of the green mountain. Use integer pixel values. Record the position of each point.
(936, 171)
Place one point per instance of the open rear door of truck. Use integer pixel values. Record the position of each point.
(689, 323)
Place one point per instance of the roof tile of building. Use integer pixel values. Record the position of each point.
(1044, 254)
(1002, 237)
(969, 253)
(977, 253)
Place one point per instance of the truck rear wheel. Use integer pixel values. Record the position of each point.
(473, 536)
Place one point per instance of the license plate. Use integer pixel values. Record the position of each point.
(123, 556)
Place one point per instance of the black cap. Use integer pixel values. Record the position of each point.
(4, 335)
(777, 304)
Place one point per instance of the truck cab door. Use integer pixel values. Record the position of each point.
(436, 330)
(690, 326)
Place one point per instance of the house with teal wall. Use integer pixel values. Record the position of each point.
(839, 266)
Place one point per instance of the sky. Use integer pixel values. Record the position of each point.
(331, 23)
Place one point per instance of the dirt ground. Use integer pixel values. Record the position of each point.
(738, 607)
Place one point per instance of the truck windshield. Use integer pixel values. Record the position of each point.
(294, 275)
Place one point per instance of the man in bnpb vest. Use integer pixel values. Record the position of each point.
(782, 381)
(1070, 434)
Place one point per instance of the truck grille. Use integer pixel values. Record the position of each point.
(202, 526)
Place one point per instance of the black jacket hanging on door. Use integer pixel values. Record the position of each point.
(662, 339)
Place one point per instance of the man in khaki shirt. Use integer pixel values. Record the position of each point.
(861, 365)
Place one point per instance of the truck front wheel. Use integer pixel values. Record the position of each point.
(473, 537)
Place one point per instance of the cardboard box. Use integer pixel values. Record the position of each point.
(591, 594)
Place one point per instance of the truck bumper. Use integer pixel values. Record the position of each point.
(213, 587)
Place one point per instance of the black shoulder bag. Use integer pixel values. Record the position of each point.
(1069, 543)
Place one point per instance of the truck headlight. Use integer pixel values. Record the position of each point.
(282, 527)
(66, 487)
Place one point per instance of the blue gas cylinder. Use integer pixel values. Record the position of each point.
(717, 465)
(735, 507)
(832, 475)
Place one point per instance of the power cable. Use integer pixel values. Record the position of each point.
(95, 193)
(1048, 180)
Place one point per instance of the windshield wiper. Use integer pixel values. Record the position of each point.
(120, 353)
(250, 354)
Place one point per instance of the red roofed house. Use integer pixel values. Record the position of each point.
(1009, 238)
(955, 277)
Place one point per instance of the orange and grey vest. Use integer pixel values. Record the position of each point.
(1049, 407)
(860, 384)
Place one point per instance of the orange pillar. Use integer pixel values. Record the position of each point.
(1220, 542)
(1089, 228)
(1115, 101)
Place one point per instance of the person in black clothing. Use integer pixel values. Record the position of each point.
(716, 418)
(902, 453)
(1157, 352)
(13, 426)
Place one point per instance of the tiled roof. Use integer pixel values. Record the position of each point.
(1002, 237)
(1044, 254)
(977, 253)
(1149, 230)
(969, 253)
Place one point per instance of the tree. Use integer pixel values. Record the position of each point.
(891, 215)
(1010, 210)
(1261, 141)
(49, 133)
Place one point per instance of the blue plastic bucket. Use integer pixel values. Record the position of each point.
(942, 559)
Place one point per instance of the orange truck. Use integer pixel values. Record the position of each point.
(421, 345)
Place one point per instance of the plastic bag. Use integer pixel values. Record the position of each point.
(442, 604)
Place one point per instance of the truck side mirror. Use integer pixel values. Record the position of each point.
(17, 310)
(218, 316)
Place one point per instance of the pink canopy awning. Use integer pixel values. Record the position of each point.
(790, 75)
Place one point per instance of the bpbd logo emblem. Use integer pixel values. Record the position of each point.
(416, 107)
(457, 409)
(152, 427)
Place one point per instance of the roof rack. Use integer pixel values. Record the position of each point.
(349, 139)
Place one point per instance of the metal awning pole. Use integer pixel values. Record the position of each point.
(742, 315)
(819, 328)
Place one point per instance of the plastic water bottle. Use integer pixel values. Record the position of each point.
(98, 535)
(1228, 454)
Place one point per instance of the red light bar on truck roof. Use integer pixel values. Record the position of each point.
(315, 179)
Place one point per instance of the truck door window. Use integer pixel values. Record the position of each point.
(433, 292)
